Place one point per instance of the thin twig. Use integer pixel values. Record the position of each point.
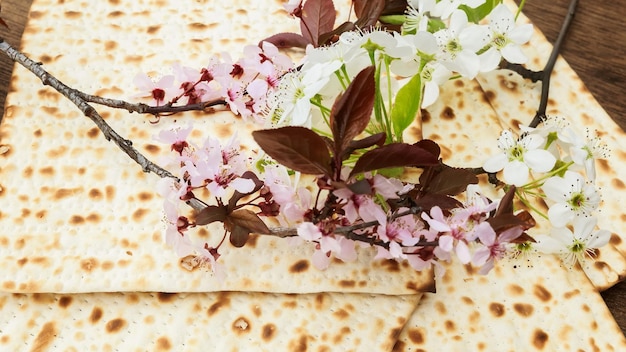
(71, 94)
(148, 109)
(534, 76)
(547, 70)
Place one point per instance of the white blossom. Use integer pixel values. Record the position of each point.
(505, 38)
(574, 245)
(572, 196)
(518, 157)
(459, 44)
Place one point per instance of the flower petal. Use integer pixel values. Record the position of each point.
(539, 160)
(515, 173)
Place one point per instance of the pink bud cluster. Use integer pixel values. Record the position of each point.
(243, 85)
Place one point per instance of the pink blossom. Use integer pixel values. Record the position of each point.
(174, 233)
(493, 247)
(160, 92)
(176, 138)
(327, 244)
(360, 206)
(389, 188)
(454, 237)
(294, 7)
(294, 201)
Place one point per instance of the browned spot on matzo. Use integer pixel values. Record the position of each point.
(542, 293)
(539, 339)
(96, 315)
(89, 264)
(299, 266)
(45, 337)
(65, 301)
(497, 309)
(268, 332)
(523, 309)
(165, 297)
(115, 325)
(222, 302)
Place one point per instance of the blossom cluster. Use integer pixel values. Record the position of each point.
(556, 164)
(395, 232)
(243, 84)
(326, 96)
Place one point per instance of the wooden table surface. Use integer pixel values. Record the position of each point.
(594, 48)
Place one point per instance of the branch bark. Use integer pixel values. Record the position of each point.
(547, 70)
(148, 109)
(545, 74)
(77, 98)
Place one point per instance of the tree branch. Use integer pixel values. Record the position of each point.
(147, 109)
(75, 97)
(545, 74)
(547, 70)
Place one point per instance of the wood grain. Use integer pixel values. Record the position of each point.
(594, 48)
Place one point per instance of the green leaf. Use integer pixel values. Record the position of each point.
(435, 24)
(406, 106)
(477, 14)
(297, 148)
(393, 19)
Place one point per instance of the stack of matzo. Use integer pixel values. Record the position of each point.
(79, 221)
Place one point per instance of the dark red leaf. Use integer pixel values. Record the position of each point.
(506, 203)
(369, 12)
(297, 148)
(211, 214)
(332, 36)
(394, 155)
(318, 17)
(287, 40)
(523, 238)
(429, 145)
(501, 223)
(232, 202)
(361, 187)
(447, 180)
(359, 5)
(352, 111)
(247, 219)
(429, 200)
(239, 236)
(375, 139)
(395, 7)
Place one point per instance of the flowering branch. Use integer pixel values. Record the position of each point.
(75, 97)
(142, 108)
(343, 91)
